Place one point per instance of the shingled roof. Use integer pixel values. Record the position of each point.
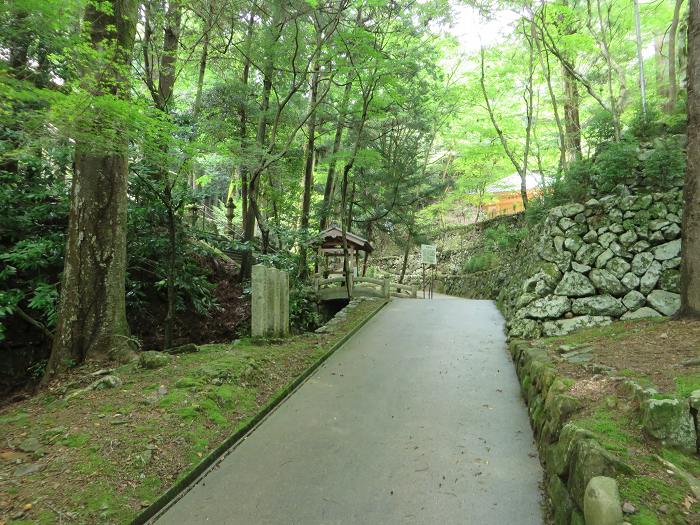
(333, 236)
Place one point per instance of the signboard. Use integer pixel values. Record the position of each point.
(428, 254)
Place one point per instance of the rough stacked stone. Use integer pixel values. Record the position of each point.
(616, 257)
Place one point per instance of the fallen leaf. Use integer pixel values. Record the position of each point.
(688, 502)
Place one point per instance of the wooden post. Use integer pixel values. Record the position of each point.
(385, 288)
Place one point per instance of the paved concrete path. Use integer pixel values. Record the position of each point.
(416, 420)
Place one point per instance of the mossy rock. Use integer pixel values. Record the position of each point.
(558, 456)
(669, 420)
(189, 348)
(577, 518)
(602, 504)
(525, 383)
(559, 407)
(524, 328)
(188, 382)
(562, 504)
(589, 460)
(151, 359)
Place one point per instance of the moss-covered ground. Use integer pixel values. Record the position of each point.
(107, 454)
(653, 353)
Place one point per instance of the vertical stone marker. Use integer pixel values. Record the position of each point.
(285, 303)
(270, 302)
(258, 313)
(276, 310)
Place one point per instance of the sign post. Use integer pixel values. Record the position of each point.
(428, 255)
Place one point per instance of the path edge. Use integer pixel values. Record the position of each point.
(173, 493)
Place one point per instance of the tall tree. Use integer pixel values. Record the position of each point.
(690, 263)
(310, 159)
(672, 75)
(521, 167)
(92, 312)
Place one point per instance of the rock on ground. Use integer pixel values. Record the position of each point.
(601, 503)
(152, 359)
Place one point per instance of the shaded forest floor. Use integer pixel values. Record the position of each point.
(25, 350)
(102, 456)
(661, 354)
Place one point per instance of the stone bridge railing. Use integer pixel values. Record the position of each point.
(337, 288)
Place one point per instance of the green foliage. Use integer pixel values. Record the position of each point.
(677, 122)
(687, 384)
(504, 237)
(666, 164)
(480, 262)
(646, 127)
(303, 310)
(31, 244)
(600, 128)
(574, 185)
(616, 163)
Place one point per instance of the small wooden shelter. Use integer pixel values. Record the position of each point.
(331, 248)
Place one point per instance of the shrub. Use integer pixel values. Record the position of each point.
(303, 311)
(502, 237)
(677, 123)
(646, 127)
(576, 183)
(666, 165)
(600, 128)
(573, 186)
(480, 262)
(616, 163)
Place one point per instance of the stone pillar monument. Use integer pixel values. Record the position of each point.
(270, 302)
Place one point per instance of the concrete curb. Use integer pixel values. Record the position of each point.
(181, 487)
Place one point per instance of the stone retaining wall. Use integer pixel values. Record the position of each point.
(571, 456)
(617, 257)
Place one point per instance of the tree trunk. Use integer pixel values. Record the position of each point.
(572, 121)
(690, 265)
(640, 58)
(203, 62)
(92, 311)
(330, 182)
(171, 39)
(672, 37)
(170, 272)
(242, 120)
(519, 168)
(660, 67)
(602, 42)
(268, 70)
(529, 111)
(406, 253)
(308, 175)
(546, 70)
(344, 226)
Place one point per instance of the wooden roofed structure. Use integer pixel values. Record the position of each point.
(331, 248)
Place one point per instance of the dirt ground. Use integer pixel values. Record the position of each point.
(658, 351)
(663, 354)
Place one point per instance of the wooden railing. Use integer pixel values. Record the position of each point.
(337, 288)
